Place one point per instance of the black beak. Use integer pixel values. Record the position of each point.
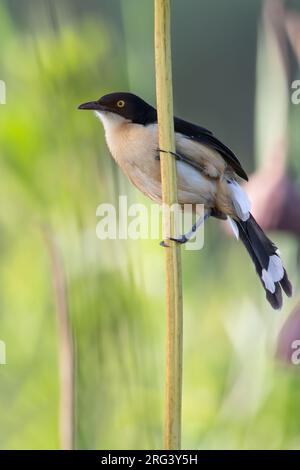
(95, 105)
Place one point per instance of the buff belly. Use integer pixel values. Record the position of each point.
(135, 149)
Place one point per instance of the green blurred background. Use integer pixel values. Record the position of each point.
(55, 171)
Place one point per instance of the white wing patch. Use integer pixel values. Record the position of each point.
(240, 200)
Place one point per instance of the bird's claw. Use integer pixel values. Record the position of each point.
(183, 239)
(180, 240)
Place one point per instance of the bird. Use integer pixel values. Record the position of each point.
(208, 173)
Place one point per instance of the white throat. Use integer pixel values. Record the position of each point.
(110, 121)
(114, 127)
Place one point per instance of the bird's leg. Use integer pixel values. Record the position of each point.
(188, 235)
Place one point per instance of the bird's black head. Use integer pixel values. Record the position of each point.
(127, 105)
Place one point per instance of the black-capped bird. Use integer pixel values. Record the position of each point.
(208, 173)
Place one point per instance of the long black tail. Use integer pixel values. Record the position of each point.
(266, 258)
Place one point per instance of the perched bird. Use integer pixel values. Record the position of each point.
(208, 173)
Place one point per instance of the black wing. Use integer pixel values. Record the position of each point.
(206, 137)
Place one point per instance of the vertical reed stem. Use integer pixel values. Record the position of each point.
(173, 386)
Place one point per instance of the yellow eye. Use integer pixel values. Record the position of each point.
(121, 104)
